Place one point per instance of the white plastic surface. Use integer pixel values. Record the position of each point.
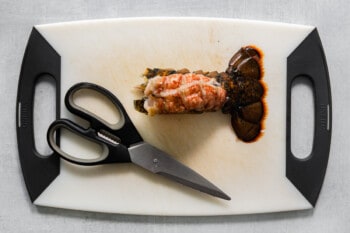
(114, 54)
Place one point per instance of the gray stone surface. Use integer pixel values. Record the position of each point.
(332, 212)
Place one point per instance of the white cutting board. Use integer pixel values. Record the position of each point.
(114, 53)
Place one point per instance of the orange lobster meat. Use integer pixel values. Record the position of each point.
(183, 93)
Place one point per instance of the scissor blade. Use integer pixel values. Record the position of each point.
(158, 162)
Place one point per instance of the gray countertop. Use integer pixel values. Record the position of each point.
(332, 212)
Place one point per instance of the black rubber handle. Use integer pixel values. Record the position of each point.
(113, 152)
(308, 60)
(124, 129)
(39, 59)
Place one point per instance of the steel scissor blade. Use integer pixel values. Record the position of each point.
(158, 162)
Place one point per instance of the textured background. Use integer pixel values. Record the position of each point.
(332, 212)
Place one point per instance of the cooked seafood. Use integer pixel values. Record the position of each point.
(238, 91)
(182, 93)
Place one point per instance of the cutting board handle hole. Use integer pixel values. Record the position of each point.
(302, 117)
(44, 112)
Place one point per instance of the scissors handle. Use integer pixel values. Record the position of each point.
(124, 129)
(112, 152)
(114, 139)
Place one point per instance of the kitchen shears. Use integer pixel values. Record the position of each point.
(122, 143)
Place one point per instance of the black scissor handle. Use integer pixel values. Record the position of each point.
(111, 153)
(123, 129)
